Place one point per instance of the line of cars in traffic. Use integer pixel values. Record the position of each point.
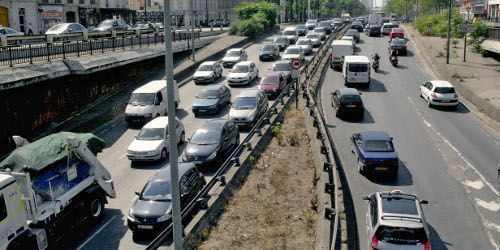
(394, 219)
(211, 143)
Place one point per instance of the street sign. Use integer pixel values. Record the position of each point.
(465, 28)
(295, 74)
(296, 63)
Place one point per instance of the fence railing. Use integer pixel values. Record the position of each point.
(201, 200)
(14, 52)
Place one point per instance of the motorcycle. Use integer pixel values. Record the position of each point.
(375, 65)
(394, 61)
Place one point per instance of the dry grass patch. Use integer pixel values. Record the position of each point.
(275, 208)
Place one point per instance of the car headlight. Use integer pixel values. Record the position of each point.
(148, 115)
(130, 152)
(151, 152)
(212, 156)
(164, 217)
(251, 117)
(212, 106)
(184, 157)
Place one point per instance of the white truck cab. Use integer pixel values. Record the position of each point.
(149, 101)
(356, 71)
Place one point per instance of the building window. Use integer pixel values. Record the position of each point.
(57, 1)
(81, 1)
(70, 1)
(45, 1)
(92, 1)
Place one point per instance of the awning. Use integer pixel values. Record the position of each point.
(491, 45)
(493, 2)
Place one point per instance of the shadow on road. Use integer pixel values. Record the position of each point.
(375, 86)
(367, 118)
(436, 241)
(461, 109)
(382, 72)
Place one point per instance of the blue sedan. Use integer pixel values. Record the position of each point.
(376, 153)
(211, 100)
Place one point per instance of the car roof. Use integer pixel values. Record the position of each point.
(164, 173)
(397, 207)
(236, 49)
(208, 63)
(152, 87)
(293, 47)
(342, 42)
(375, 135)
(272, 73)
(247, 63)
(214, 124)
(290, 28)
(282, 62)
(358, 59)
(319, 28)
(348, 91)
(398, 30)
(249, 93)
(158, 122)
(441, 83)
(352, 31)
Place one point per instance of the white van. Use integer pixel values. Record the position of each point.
(291, 33)
(338, 50)
(149, 101)
(356, 70)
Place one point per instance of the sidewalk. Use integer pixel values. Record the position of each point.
(477, 80)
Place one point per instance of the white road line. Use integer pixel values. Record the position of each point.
(123, 156)
(95, 233)
(492, 205)
(474, 184)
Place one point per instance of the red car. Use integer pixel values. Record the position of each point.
(272, 83)
(397, 32)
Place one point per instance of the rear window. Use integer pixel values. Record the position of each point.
(444, 90)
(378, 146)
(374, 28)
(399, 205)
(358, 67)
(401, 236)
(350, 99)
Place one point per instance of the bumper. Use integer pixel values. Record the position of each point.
(266, 57)
(358, 81)
(238, 82)
(448, 103)
(243, 124)
(205, 110)
(137, 226)
(144, 157)
(203, 80)
(379, 170)
(228, 64)
(136, 119)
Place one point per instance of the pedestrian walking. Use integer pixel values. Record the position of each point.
(30, 30)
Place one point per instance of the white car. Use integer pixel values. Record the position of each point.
(243, 73)
(65, 28)
(305, 44)
(293, 52)
(207, 72)
(311, 24)
(439, 93)
(151, 144)
(349, 38)
(233, 56)
(315, 39)
(321, 33)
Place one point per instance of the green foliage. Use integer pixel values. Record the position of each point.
(353, 7)
(439, 24)
(277, 131)
(425, 7)
(480, 31)
(253, 17)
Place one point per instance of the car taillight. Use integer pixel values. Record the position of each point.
(428, 245)
(374, 242)
(367, 162)
(338, 106)
(201, 174)
(330, 57)
(455, 96)
(395, 162)
(434, 95)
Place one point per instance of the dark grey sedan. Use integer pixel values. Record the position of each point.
(211, 100)
(211, 143)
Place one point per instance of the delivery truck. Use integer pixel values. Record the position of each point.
(49, 187)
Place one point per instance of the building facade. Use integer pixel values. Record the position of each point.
(494, 10)
(18, 14)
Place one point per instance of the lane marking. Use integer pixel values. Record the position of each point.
(492, 226)
(492, 205)
(123, 156)
(474, 184)
(95, 233)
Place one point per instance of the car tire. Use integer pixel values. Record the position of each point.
(394, 175)
(182, 139)
(360, 167)
(429, 104)
(96, 208)
(164, 154)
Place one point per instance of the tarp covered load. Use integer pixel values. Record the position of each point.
(48, 151)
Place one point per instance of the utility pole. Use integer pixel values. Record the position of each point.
(416, 14)
(308, 9)
(449, 33)
(406, 11)
(192, 29)
(172, 148)
(206, 10)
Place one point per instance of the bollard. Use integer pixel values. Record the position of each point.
(211, 27)
(85, 35)
(50, 39)
(4, 41)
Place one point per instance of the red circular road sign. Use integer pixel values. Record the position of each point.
(296, 63)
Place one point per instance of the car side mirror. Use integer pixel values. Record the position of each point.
(366, 198)
(424, 202)
(157, 103)
(392, 138)
(137, 193)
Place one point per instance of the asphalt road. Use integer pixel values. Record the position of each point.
(113, 232)
(447, 157)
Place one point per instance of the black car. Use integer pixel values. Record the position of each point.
(212, 142)
(152, 211)
(211, 100)
(327, 25)
(269, 52)
(373, 31)
(357, 26)
(399, 45)
(347, 102)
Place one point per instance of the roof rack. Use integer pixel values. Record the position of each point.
(401, 217)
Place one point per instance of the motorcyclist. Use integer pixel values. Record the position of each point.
(394, 54)
(376, 57)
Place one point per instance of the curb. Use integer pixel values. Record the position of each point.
(482, 105)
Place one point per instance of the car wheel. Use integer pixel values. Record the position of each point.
(182, 139)
(429, 104)
(360, 167)
(394, 175)
(96, 208)
(163, 154)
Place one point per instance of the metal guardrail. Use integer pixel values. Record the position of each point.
(78, 44)
(234, 159)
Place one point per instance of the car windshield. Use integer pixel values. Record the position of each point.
(351, 33)
(311, 36)
(301, 27)
(269, 80)
(319, 30)
(350, 99)
(206, 68)
(311, 22)
(240, 69)
(59, 27)
(374, 28)
(358, 67)
(151, 134)
(289, 33)
(107, 23)
(142, 99)
(205, 137)
(292, 51)
(157, 190)
(398, 42)
(444, 90)
(401, 235)
(281, 40)
(208, 94)
(324, 24)
(233, 53)
(267, 48)
(378, 146)
(302, 42)
(244, 103)
(281, 67)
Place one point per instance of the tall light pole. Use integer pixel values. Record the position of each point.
(416, 14)
(308, 9)
(449, 33)
(172, 147)
(192, 29)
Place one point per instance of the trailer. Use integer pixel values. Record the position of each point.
(49, 187)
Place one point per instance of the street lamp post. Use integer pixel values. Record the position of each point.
(172, 148)
(449, 33)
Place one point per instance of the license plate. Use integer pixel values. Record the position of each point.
(445, 101)
(197, 162)
(202, 110)
(382, 168)
(352, 80)
(145, 226)
(351, 106)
